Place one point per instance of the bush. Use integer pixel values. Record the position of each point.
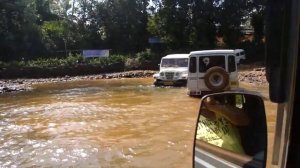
(113, 62)
(107, 61)
(73, 59)
(145, 55)
(132, 63)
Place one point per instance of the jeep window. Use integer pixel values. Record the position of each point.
(192, 67)
(206, 62)
(231, 63)
(178, 62)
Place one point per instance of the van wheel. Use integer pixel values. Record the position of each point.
(216, 79)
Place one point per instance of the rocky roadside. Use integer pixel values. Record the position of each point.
(256, 76)
(18, 85)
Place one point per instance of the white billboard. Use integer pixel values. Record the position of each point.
(95, 53)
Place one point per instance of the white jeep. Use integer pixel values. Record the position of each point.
(239, 54)
(173, 70)
(212, 71)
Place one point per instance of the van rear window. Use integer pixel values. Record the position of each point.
(206, 62)
(231, 63)
(193, 64)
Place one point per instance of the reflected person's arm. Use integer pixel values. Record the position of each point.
(235, 115)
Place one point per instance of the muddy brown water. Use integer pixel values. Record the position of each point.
(103, 123)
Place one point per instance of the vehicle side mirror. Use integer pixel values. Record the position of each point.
(159, 65)
(231, 131)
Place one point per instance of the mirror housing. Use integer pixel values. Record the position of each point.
(231, 130)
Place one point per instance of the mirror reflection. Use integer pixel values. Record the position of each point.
(231, 130)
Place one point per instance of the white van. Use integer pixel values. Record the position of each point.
(211, 71)
(173, 70)
(239, 54)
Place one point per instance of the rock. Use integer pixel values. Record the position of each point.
(255, 76)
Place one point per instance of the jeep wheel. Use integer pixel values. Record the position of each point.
(216, 79)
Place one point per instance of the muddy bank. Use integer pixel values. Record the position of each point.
(16, 85)
(255, 76)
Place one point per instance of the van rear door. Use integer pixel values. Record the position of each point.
(232, 70)
(193, 74)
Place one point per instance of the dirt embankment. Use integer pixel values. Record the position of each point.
(255, 76)
(16, 85)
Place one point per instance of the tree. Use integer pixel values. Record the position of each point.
(19, 34)
(43, 11)
(257, 21)
(170, 23)
(124, 23)
(230, 16)
(32, 28)
(60, 36)
(203, 24)
(60, 7)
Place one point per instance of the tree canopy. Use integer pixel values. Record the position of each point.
(31, 29)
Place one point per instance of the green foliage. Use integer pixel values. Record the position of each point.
(71, 60)
(59, 35)
(203, 24)
(231, 14)
(145, 55)
(125, 24)
(257, 21)
(50, 62)
(107, 61)
(45, 62)
(19, 34)
(132, 63)
(30, 29)
(44, 10)
(170, 23)
(141, 59)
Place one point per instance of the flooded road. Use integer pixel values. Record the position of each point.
(104, 123)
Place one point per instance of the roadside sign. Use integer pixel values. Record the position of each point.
(95, 53)
(153, 40)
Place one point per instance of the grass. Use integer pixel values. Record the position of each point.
(129, 61)
(68, 61)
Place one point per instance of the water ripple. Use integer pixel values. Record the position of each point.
(108, 124)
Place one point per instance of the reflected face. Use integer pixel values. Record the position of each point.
(231, 127)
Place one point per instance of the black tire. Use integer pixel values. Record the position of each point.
(157, 83)
(216, 79)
